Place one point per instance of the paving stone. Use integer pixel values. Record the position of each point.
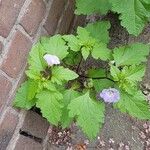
(7, 128)
(35, 125)
(25, 143)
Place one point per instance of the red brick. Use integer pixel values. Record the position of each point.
(7, 128)
(35, 125)
(33, 16)
(5, 87)
(25, 143)
(78, 21)
(67, 18)
(56, 10)
(17, 55)
(9, 11)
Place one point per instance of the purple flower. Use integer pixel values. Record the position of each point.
(110, 95)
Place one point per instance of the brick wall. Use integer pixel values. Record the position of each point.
(22, 22)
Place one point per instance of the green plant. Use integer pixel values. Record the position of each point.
(65, 91)
(134, 14)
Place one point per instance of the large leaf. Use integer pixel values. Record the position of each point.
(87, 7)
(55, 46)
(135, 105)
(100, 84)
(133, 73)
(100, 51)
(95, 73)
(22, 99)
(89, 114)
(131, 54)
(90, 45)
(134, 13)
(99, 30)
(51, 105)
(60, 74)
(128, 76)
(73, 58)
(72, 42)
(68, 96)
(32, 89)
(36, 61)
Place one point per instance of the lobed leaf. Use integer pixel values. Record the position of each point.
(23, 99)
(87, 7)
(133, 54)
(89, 114)
(135, 104)
(51, 105)
(134, 14)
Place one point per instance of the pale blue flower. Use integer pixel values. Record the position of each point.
(110, 95)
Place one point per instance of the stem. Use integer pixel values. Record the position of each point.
(97, 77)
(77, 70)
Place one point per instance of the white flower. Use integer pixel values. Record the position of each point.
(51, 59)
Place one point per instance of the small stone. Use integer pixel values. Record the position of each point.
(146, 130)
(121, 144)
(111, 140)
(59, 134)
(69, 148)
(86, 142)
(102, 143)
(127, 147)
(145, 125)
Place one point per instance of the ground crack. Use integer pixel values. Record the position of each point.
(29, 135)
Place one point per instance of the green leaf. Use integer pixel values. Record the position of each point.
(36, 61)
(60, 74)
(85, 52)
(131, 54)
(87, 7)
(51, 105)
(68, 96)
(128, 75)
(90, 45)
(133, 73)
(135, 105)
(138, 17)
(21, 99)
(84, 36)
(55, 45)
(72, 42)
(95, 73)
(115, 72)
(100, 84)
(73, 58)
(49, 85)
(101, 51)
(99, 30)
(89, 114)
(32, 89)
